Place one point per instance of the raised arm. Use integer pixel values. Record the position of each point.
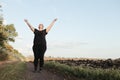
(50, 26)
(29, 25)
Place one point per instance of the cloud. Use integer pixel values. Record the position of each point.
(67, 45)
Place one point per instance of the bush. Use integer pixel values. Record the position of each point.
(3, 55)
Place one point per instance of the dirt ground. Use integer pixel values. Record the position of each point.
(43, 75)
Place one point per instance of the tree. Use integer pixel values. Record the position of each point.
(7, 33)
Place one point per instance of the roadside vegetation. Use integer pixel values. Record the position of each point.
(82, 72)
(13, 71)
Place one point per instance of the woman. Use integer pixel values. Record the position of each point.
(39, 43)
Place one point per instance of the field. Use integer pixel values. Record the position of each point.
(85, 69)
(95, 63)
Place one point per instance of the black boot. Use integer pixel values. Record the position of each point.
(35, 69)
(40, 68)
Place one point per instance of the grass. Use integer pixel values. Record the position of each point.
(13, 71)
(84, 73)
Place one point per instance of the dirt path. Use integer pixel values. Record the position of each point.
(43, 75)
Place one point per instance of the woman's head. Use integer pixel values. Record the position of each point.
(40, 27)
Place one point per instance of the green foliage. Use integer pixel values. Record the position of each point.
(86, 73)
(7, 33)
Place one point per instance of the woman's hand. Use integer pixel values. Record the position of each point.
(25, 20)
(55, 19)
(30, 26)
(50, 26)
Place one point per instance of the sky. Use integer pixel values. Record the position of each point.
(84, 29)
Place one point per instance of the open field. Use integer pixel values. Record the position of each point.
(95, 63)
(86, 69)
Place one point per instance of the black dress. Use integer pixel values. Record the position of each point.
(39, 47)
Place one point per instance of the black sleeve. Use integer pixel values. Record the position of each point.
(45, 31)
(35, 31)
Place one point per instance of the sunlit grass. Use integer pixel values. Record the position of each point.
(86, 73)
(13, 71)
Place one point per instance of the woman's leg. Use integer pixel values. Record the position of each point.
(42, 52)
(41, 60)
(35, 64)
(35, 50)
